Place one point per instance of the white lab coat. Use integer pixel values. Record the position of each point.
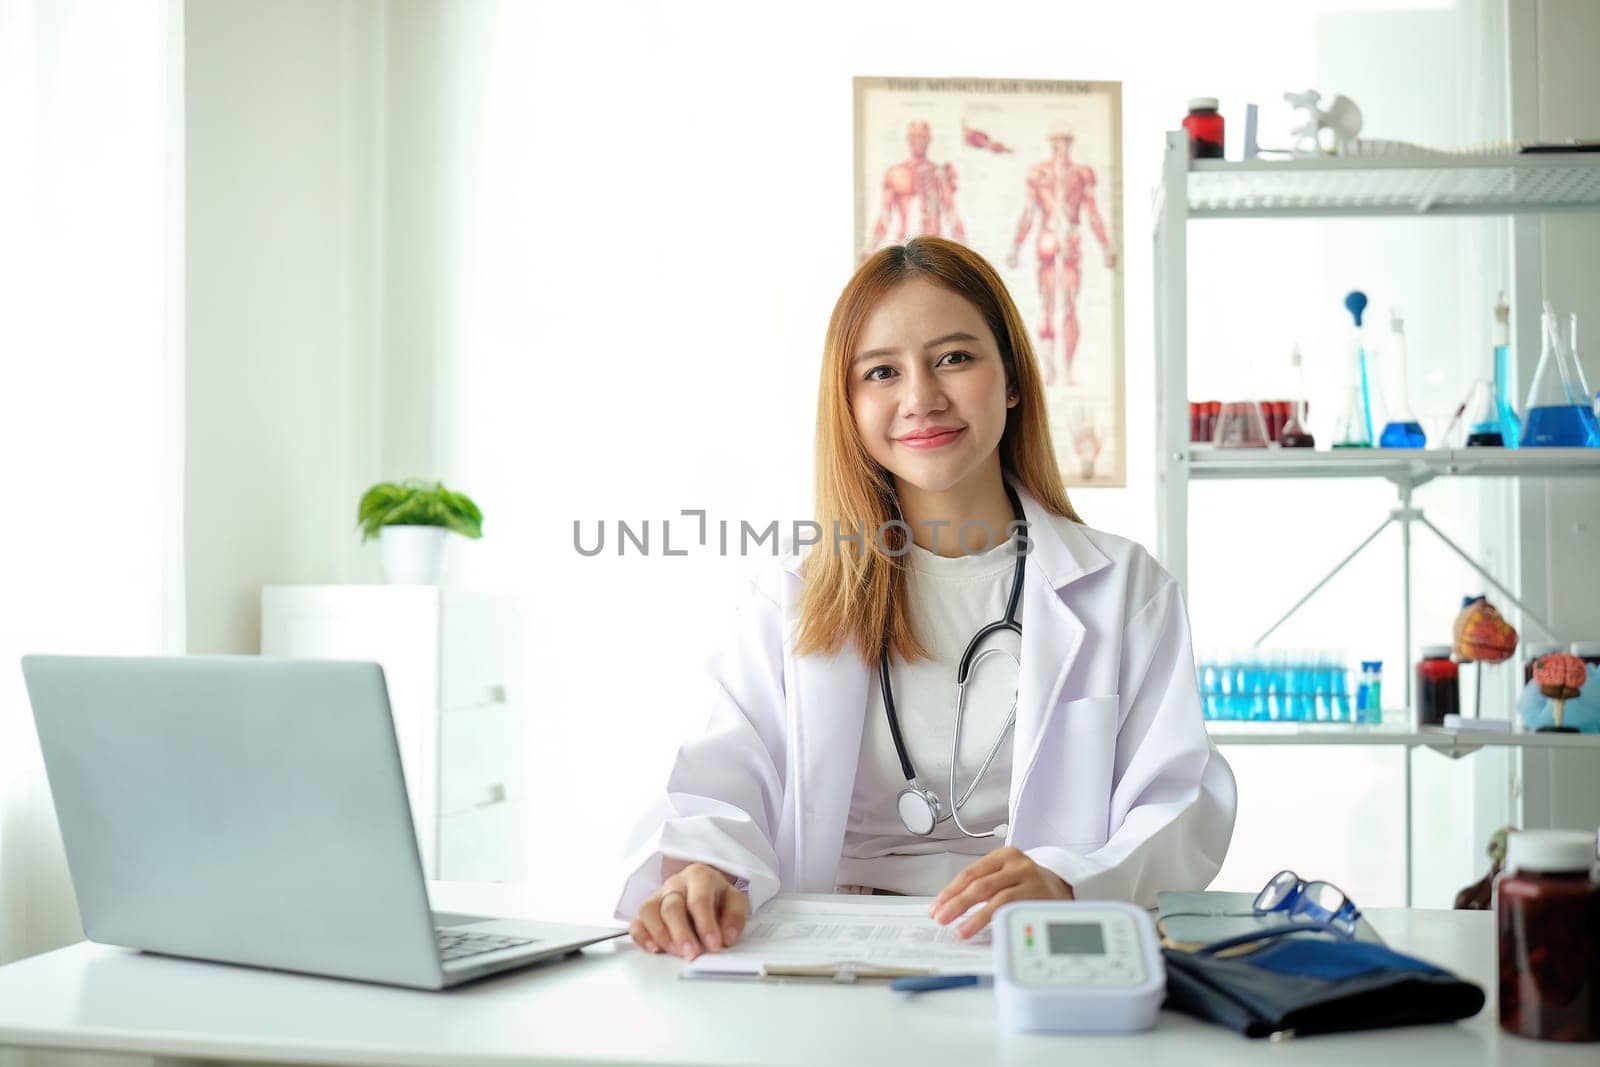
(1115, 785)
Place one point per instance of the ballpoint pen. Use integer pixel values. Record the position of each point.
(927, 983)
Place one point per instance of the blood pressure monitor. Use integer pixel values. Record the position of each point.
(1077, 965)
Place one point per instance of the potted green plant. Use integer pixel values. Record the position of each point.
(410, 520)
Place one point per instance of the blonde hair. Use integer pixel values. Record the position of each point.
(854, 589)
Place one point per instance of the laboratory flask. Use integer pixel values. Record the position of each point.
(1401, 430)
(1241, 425)
(1295, 432)
(1353, 429)
(1482, 411)
(1558, 412)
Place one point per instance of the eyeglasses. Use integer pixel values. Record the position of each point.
(1318, 902)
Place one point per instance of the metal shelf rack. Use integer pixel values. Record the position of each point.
(1345, 187)
(1395, 186)
(1414, 467)
(1453, 743)
(1409, 185)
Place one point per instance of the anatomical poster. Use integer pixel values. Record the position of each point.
(1029, 174)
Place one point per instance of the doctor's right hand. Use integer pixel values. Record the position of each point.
(696, 910)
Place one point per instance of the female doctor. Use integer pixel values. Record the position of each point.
(960, 690)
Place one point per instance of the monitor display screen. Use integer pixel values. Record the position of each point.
(1076, 939)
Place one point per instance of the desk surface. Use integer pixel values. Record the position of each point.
(618, 1005)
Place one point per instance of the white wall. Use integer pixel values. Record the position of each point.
(1557, 788)
(283, 364)
(1568, 105)
(326, 218)
(432, 85)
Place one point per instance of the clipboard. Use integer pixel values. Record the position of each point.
(844, 939)
(843, 972)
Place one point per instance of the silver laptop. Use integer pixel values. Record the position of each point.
(253, 810)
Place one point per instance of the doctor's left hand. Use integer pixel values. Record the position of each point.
(1004, 875)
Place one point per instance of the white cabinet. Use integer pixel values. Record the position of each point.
(449, 658)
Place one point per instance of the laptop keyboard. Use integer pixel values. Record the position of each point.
(454, 945)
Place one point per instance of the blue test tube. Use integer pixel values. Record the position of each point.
(1323, 691)
(1206, 677)
(1276, 680)
(1215, 685)
(1286, 686)
(1304, 709)
(1256, 686)
(1238, 698)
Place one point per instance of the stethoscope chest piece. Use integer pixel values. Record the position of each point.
(919, 809)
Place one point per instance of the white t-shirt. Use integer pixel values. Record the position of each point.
(951, 599)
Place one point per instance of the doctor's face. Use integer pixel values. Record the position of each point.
(927, 387)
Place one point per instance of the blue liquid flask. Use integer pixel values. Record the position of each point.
(1406, 434)
(1402, 431)
(1561, 426)
(1559, 413)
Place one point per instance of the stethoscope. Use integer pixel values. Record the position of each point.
(920, 810)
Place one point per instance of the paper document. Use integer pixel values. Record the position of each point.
(823, 935)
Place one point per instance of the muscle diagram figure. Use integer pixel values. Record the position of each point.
(979, 139)
(1059, 191)
(931, 185)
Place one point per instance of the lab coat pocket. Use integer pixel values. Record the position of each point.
(1082, 754)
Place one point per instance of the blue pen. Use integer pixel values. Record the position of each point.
(927, 983)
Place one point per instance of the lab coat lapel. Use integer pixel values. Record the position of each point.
(1052, 635)
(1051, 638)
(827, 712)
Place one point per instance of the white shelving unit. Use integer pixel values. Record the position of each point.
(1453, 743)
(1404, 186)
(1395, 186)
(1334, 188)
(1357, 187)
(1415, 468)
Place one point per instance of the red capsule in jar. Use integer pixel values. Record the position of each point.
(1205, 128)
(1547, 911)
(1438, 686)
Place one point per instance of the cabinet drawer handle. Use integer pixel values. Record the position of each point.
(495, 794)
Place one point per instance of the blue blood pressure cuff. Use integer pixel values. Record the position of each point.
(1302, 986)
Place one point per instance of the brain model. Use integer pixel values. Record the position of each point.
(1560, 676)
(1482, 634)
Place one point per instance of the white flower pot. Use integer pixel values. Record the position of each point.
(413, 555)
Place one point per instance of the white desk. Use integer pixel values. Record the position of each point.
(617, 1005)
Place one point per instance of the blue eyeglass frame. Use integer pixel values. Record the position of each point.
(1287, 891)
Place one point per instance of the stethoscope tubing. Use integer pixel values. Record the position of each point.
(994, 749)
(970, 658)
